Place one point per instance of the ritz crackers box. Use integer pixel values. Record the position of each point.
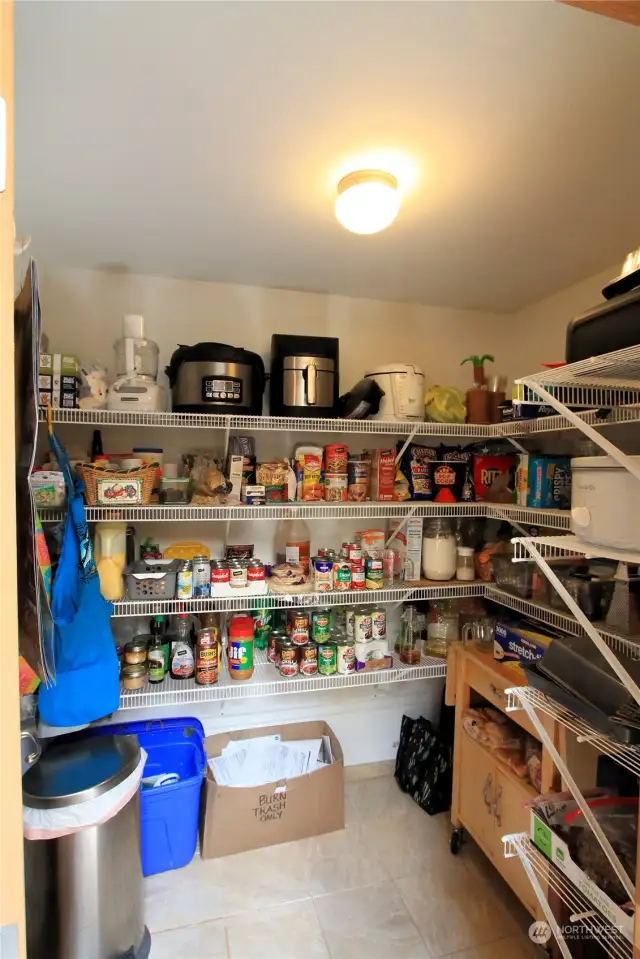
(237, 818)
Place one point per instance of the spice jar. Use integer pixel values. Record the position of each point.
(240, 647)
(439, 550)
(134, 677)
(135, 652)
(288, 665)
(465, 568)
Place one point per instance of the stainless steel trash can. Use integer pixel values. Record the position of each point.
(84, 894)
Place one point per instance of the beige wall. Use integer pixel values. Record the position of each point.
(540, 328)
(82, 313)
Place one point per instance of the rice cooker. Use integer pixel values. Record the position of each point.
(605, 502)
(404, 390)
(216, 378)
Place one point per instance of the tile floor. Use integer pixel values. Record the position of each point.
(386, 887)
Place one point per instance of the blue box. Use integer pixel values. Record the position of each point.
(168, 814)
(549, 482)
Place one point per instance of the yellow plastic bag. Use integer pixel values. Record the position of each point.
(446, 404)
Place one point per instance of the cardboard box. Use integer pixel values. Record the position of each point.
(408, 542)
(512, 646)
(383, 474)
(557, 851)
(235, 819)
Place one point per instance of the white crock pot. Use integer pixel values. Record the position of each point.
(605, 502)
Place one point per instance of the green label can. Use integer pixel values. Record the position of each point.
(321, 624)
(327, 659)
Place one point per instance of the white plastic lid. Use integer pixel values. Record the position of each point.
(465, 550)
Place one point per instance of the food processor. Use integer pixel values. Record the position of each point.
(136, 386)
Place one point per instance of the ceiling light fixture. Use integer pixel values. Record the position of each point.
(367, 201)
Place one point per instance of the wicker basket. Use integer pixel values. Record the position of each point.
(104, 487)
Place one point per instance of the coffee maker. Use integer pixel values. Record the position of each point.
(304, 376)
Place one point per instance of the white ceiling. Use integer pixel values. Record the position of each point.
(205, 140)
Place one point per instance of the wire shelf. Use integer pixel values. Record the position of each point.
(582, 910)
(356, 597)
(629, 645)
(619, 416)
(600, 381)
(288, 424)
(626, 756)
(266, 681)
(558, 519)
(558, 547)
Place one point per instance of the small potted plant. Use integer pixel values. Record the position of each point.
(478, 410)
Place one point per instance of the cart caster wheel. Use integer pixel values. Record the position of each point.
(455, 841)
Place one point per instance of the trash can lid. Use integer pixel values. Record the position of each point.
(74, 772)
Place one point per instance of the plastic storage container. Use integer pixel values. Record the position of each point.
(168, 814)
(152, 577)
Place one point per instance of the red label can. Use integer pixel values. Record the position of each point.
(220, 573)
(354, 552)
(255, 573)
(357, 575)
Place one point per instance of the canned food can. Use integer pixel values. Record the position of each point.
(373, 573)
(273, 648)
(299, 622)
(341, 576)
(362, 625)
(327, 659)
(354, 552)
(255, 571)
(320, 624)
(322, 574)
(357, 576)
(336, 457)
(288, 664)
(345, 657)
(379, 623)
(219, 572)
(335, 487)
(184, 582)
(308, 659)
(237, 574)
(344, 550)
(201, 577)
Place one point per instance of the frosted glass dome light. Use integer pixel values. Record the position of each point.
(367, 201)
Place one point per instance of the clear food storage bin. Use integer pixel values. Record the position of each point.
(174, 490)
(152, 577)
(48, 488)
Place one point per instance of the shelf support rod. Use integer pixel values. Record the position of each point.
(573, 786)
(625, 461)
(510, 843)
(401, 525)
(406, 443)
(625, 678)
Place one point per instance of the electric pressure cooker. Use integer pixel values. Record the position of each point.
(216, 378)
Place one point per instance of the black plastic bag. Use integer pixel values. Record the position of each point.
(424, 765)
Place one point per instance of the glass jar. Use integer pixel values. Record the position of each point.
(465, 567)
(443, 626)
(439, 550)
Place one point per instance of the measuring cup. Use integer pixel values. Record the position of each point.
(481, 631)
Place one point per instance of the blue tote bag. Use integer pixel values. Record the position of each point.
(87, 685)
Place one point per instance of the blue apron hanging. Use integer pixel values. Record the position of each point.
(87, 685)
